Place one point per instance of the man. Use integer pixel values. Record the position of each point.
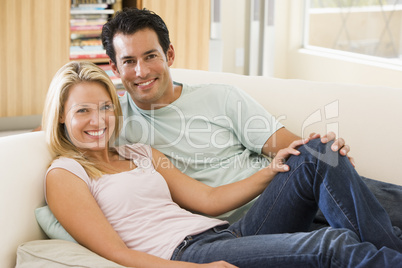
(214, 133)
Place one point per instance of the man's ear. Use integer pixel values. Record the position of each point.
(170, 55)
(114, 69)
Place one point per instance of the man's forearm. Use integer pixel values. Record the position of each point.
(282, 138)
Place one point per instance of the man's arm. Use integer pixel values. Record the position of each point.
(279, 140)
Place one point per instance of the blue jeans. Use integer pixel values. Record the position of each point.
(274, 231)
(389, 195)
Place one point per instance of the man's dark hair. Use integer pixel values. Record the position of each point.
(129, 21)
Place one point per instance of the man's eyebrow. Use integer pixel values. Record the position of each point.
(145, 53)
(126, 57)
(150, 51)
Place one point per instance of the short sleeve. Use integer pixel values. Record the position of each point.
(252, 123)
(70, 165)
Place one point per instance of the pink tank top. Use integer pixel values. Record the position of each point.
(139, 206)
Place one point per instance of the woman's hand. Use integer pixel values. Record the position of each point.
(278, 163)
(218, 264)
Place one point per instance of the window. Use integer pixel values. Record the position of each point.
(364, 27)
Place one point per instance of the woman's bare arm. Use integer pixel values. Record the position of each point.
(74, 206)
(196, 196)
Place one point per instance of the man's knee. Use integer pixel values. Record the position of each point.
(322, 152)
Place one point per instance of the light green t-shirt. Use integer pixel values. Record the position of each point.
(213, 133)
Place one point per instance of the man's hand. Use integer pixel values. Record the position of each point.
(338, 145)
(278, 163)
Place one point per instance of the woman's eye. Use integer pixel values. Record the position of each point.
(83, 110)
(107, 107)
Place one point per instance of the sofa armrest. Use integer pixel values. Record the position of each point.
(24, 159)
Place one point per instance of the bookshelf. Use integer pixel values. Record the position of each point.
(36, 39)
(116, 81)
(86, 22)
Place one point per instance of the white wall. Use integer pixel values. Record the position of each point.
(234, 32)
(293, 62)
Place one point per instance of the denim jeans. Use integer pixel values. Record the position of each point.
(389, 195)
(274, 232)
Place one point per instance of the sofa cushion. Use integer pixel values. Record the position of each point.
(58, 254)
(50, 225)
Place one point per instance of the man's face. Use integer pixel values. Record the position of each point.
(144, 68)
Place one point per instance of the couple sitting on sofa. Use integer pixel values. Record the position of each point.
(130, 193)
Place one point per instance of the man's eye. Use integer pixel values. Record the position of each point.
(151, 56)
(129, 62)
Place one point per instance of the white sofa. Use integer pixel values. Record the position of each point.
(368, 117)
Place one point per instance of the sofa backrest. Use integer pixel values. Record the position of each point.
(24, 159)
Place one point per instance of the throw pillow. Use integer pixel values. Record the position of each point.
(50, 225)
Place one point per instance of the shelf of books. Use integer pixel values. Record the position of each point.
(86, 24)
(87, 18)
(116, 81)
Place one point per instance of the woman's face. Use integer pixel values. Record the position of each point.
(89, 116)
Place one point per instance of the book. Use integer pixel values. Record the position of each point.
(116, 81)
(87, 27)
(86, 22)
(89, 56)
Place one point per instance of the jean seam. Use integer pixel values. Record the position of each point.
(328, 189)
(236, 233)
(283, 186)
(334, 261)
(354, 227)
(276, 199)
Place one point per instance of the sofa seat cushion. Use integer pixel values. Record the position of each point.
(58, 254)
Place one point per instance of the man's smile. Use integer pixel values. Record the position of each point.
(146, 83)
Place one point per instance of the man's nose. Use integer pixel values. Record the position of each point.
(141, 69)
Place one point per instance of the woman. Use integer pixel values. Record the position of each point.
(129, 204)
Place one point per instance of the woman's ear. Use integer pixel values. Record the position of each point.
(62, 119)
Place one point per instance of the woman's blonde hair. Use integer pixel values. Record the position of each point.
(57, 138)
